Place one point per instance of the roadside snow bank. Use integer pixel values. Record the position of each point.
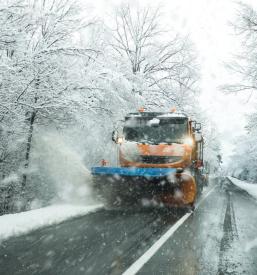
(250, 188)
(24, 222)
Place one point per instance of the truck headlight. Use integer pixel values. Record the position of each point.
(120, 140)
(189, 141)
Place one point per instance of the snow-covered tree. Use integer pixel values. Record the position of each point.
(39, 61)
(244, 158)
(244, 66)
(160, 64)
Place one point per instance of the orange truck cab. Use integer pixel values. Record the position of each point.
(160, 153)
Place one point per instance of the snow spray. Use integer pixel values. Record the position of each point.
(65, 169)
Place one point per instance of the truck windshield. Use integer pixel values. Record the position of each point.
(155, 130)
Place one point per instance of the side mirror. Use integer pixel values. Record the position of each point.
(115, 135)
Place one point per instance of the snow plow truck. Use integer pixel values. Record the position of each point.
(160, 162)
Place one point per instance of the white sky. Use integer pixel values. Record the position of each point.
(207, 24)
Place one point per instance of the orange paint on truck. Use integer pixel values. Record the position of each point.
(182, 151)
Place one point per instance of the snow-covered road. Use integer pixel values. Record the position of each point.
(216, 239)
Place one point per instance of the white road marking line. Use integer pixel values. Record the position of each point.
(139, 263)
(205, 196)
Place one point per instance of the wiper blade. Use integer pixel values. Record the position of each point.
(158, 143)
(172, 142)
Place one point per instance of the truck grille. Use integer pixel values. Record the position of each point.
(159, 159)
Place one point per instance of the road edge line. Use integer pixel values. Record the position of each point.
(142, 260)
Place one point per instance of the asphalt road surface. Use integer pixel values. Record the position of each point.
(215, 239)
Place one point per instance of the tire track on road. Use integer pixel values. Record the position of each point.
(230, 235)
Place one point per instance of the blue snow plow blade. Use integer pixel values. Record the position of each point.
(132, 171)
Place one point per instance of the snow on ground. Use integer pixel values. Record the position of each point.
(250, 188)
(24, 222)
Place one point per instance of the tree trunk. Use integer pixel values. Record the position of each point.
(28, 148)
(29, 140)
